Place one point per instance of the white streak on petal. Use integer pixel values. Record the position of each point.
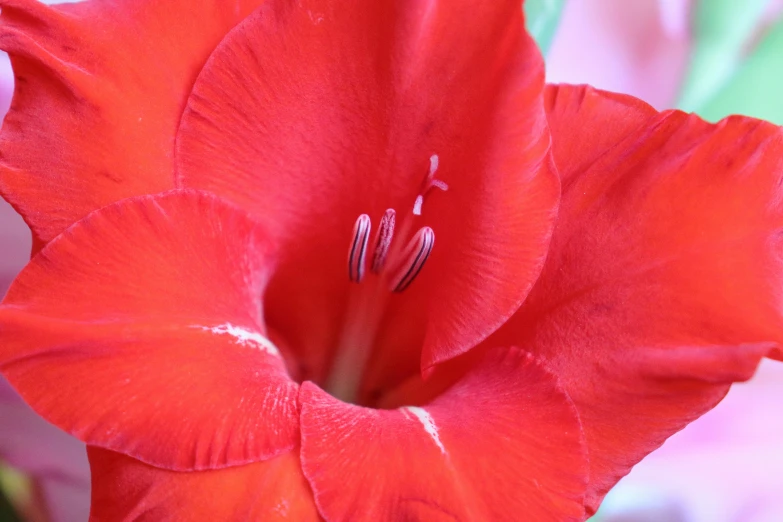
(242, 337)
(429, 424)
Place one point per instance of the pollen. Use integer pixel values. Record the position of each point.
(383, 239)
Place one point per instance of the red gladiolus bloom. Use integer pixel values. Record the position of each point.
(306, 260)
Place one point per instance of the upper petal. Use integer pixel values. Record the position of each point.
(100, 88)
(311, 113)
(147, 316)
(662, 285)
(503, 444)
(125, 489)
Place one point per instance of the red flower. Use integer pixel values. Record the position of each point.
(190, 334)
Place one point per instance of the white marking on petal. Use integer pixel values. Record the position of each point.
(282, 508)
(316, 18)
(429, 424)
(242, 336)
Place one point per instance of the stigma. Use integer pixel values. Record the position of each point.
(429, 183)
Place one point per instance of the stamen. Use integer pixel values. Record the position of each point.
(383, 239)
(358, 251)
(413, 258)
(429, 182)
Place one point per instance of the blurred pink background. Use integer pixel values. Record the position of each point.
(638, 47)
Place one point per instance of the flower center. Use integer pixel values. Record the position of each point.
(394, 266)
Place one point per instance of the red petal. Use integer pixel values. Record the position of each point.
(147, 316)
(662, 285)
(124, 489)
(577, 147)
(343, 120)
(100, 88)
(505, 442)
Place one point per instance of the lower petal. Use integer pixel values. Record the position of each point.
(125, 489)
(147, 316)
(504, 442)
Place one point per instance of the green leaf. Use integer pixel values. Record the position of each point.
(14, 485)
(542, 17)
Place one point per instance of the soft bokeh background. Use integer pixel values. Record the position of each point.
(714, 57)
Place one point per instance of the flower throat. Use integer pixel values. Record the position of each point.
(394, 266)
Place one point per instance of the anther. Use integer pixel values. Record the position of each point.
(429, 183)
(383, 239)
(358, 251)
(413, 258)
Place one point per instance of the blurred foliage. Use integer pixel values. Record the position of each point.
(13, 485)
(7, 513)
(736, 59)
(736, 64)
(720, 31)
(542, 17)
(754, 88)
